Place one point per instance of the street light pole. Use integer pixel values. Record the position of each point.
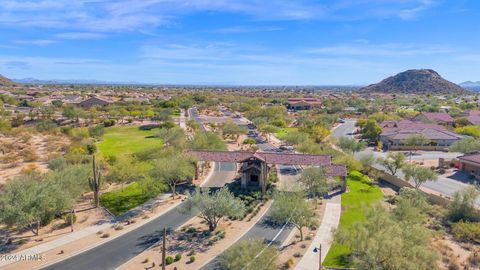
(320, 257)
(319, 250)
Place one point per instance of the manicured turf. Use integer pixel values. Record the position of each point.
(283, 131)
(360, 195)
(127, 140)
(120, 201)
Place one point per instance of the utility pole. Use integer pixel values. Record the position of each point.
(164, 247)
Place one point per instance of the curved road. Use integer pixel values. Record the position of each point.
(116, 252)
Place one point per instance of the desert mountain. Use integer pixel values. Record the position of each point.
(415, 81)
(5, 81)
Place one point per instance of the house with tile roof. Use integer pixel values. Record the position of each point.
(395, 134)
(470, 163)
(441, 118)
(307, 103)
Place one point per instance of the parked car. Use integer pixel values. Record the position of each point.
(287, 147)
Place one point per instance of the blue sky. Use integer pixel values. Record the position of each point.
(276, 42)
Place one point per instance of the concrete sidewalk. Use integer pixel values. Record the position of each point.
(64, 240)
(324, 236)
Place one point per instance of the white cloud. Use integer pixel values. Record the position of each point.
(80, 35)
(130, 15)
(246, 29)
(381, 50)
(39, 42)
(412, 13)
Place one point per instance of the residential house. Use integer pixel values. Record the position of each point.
(395, 133)
(474, 117)
(94, 101)
(470, 163)
(297, 104)
(441, 118)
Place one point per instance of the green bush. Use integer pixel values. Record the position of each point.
(169, 260)
(192, 259)
(178, 257)
(109, 122)
(46, 126)
(70, 219)
(467, 231)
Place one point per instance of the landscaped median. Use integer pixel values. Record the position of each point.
(193, 244)
(361, 193)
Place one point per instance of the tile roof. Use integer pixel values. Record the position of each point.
(438, 116)
(408, 124)
(304, 100)
(274, 158)
(432, 134)
(474, 117)
(475, 158)
(271, 158)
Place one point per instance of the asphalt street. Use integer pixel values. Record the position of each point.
(114, 253)
(224, 172)
(193, 113)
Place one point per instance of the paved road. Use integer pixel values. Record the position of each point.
(116, 252)
(345, 129)
(443, 185)
(224, 172)
(263, 229)
(193, 113)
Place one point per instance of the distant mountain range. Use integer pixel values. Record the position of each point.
(93, 82)
(471, 84)
(415, 81)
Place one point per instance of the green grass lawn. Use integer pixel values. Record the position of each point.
(283, 131)
(127, 140)
(120, 201)
(359, 196)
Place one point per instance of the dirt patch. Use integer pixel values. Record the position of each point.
(25, 151)
(455, 255)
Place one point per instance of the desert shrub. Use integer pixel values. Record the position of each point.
(57, 163)
(463, 206)
(192, 259)
(46, 126)
(70, 219)
(289, 264)
(178, 257)
(105, 235)
(109, 122)
(169, 260)
(28, 154)
(96, 131)
(467, 231)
